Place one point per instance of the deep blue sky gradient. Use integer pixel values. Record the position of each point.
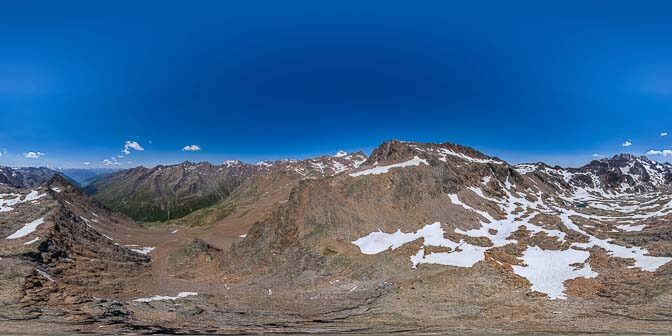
(271, 79)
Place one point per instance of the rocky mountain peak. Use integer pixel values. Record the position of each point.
(25, 177)
(396, 151)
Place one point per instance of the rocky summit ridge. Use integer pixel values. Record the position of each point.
(416, 237)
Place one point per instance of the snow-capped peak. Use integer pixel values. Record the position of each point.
(340, 153)
(230, 163)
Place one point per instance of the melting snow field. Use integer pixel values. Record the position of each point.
(546, 270)
(464, 255)
(9, 201)
(26, 229)
(416, 161)
(166, 298)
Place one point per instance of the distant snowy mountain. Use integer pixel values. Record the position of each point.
(25, 177)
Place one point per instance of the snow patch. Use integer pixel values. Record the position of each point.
(26, 229)
(166, 298)
(143, 250)
(32, 241)
(631, 228)
(547, 270)
(416, 161)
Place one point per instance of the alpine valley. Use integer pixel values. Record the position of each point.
(415, 238)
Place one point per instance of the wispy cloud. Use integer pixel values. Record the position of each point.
(665, 152)
(191, 148)
(627, 143)
(33, 155)
(131, 145)
(86, 163)
(3, 151)
(111, 162)
(664, 134)
(599, 156)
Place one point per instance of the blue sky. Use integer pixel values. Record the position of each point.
(270, 79)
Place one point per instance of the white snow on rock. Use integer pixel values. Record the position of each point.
(443, 153)
(166, 298)
(638, 254)
(631, 228)
(340, 153)
(58, 190)
(523, 169)
(45, 274)
(243, 235)
(416, 161)
(26, 229)
(447, 152)
(32, 241)
(143, 250)
(34, 195)
(547, 270)
(463, 254)
(9, 201)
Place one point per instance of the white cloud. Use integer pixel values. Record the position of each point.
(665, 152)
(598, 155)
(111, 162)
(663, 134)
(86, 163)
(131, 145)
(191, 148)
(33, 155)
(628, 143)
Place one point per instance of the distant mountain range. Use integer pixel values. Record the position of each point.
(171, 192)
